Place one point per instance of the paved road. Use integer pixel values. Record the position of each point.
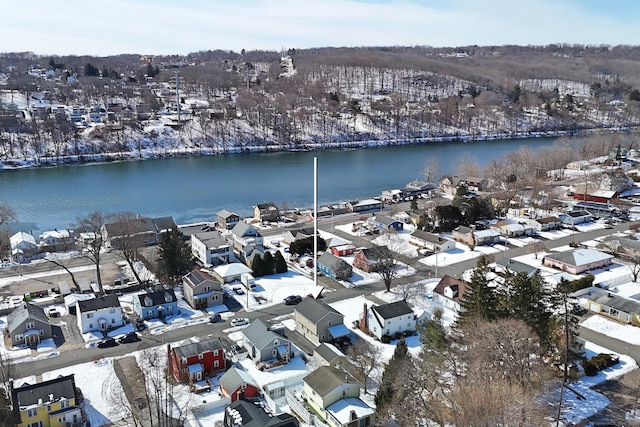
(81, 355)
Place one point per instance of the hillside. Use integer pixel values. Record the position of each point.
(217, 101)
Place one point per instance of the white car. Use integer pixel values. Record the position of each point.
(239, 321)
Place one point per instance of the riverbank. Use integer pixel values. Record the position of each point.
(187, 151)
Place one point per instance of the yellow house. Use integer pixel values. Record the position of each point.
(51, 403)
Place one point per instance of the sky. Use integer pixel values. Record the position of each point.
(156, 27)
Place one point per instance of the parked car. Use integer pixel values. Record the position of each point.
(54, 312)
(215, 318)
(239, 321)
(140, 325)
(578, 310)
(109, 342)
(129, 338)
(293, 300)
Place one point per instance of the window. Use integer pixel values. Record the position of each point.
(89, 315)
(329, 323)
(90, 325)
(170, 309)
(207, 288)
(32, 412)
(112, 310)
(200, 356)
(48, 408)
(113, 320)
(64, 403)
(216, 352)
(36, 424)
(184, 360)
(30, 325)
(62, 420)
(216, 363)
(41, 332)
(19, 337)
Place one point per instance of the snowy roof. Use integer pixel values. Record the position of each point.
(20, 237)
(342, 410)
(486, 233)
(233, 269)
(578, 257)
(191, 349)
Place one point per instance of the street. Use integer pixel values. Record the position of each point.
(81, 355)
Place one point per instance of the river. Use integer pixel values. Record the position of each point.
(194, 189)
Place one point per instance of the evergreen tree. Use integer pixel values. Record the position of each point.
(305, 246)
(280, 263)
(481, 300)
(527, 299)
(258, 267)
(174, 258)
(432, 334)
(269, 263)
(388, 385)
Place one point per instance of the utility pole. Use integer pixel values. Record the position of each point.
(177, 97)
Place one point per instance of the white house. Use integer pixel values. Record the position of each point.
(57, 240)
(99, 314)
(390, 319)
(230, 272)
(23, 247)
(449, 293)
(211, 248)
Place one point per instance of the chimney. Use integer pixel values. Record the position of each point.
(363, 321)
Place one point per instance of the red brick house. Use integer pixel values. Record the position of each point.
(197, 361)
(371, 259)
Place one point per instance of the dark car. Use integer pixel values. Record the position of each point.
(215, 318)
(129, 338)
(109, 342)
(579, 310)
(293, 300)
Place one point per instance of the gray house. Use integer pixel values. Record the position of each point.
(227, 219)
(319, 322)
(334, 267)
(28, 325)
(263, 344)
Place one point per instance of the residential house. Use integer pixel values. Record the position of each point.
(327, 354)
(196, 361)
(242, 413)
(99, 314)
(237, 384)
(371, 260)
(431, 242)
(28, 325)
(471, 237)
(449, 184)
(449, 293)
(264, 345)
(227, 219)
(211, 248)
(617, 244)
(229, 273)
(156, 304)
(335, 395)
(595, 195)
(57, 240)
(475, 183)
(512, 229)
(340, 247)
(545, 224)
(334, 267)
(23, 247)
(385, 223)
(147, 230)
(201, 290)
(246, 239)
(366, 205)
(266, 212)
(417, 187)
(51, 403)
(516, 267)
(319, 322)
(602, 301)
(576, 261)
(290, 236)
(575, 217)
(390, 319)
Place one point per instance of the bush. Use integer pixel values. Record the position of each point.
(590, 369)
(386, 339)
(398, 335)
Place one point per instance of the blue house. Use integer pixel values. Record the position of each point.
(385, 223)
(334, 267)
(157, 304)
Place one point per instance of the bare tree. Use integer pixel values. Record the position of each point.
(385, 264)
(127, 238)
(51, 257)
(7, 215)
(92, 225)
(431, 169)
(365, 358)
